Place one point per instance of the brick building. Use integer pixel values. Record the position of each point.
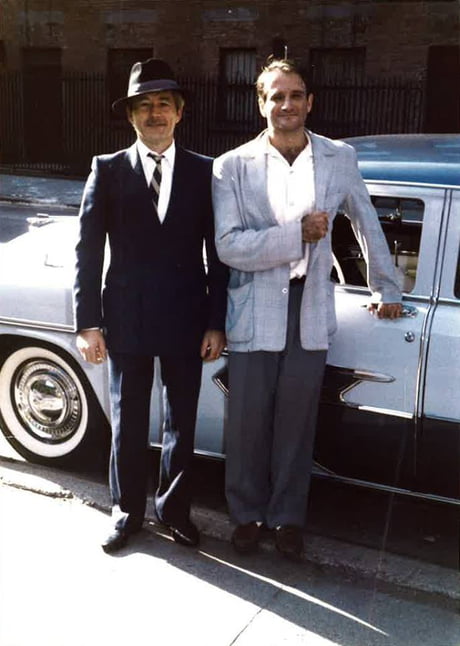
(375, 36)
(345, 41)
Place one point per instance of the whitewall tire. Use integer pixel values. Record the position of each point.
(44, 405)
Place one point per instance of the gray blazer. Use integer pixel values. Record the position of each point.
(259, 250)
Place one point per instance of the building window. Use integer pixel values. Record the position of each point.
(119, 63)
(43, 103)
(443, 89)
(280, 48)
(238, 74)
(2, 56)
(338, 64)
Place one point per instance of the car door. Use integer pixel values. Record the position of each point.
(372, 392)
(438, 450)
(212, 409)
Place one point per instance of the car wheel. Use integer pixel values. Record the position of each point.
(46, 410)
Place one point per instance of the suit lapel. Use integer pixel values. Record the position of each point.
(134, 188)
(254, 176)
(323, 157)
(323, 164)
(179, 179)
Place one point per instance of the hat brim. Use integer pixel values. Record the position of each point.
(158, 85)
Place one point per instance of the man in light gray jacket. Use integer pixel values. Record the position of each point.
(274, 201)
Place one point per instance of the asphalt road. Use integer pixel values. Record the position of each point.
(13, 217)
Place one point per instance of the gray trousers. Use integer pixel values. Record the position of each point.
(272, 412)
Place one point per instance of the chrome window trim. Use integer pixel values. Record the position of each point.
(428, 321)
(451, 258)
(394, 182)
(446, 300)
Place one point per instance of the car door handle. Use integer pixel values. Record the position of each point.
(409, 311)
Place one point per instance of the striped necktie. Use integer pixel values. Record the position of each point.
(156, 179)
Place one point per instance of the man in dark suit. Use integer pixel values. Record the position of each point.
(153, 203)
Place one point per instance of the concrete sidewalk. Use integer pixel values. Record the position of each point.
(41, 190)
(328, 554)
(58, 588)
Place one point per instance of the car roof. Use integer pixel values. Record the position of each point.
(420, 158)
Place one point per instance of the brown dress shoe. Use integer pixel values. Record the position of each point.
(245, 538)
(289, 541)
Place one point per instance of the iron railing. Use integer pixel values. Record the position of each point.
(217, 118)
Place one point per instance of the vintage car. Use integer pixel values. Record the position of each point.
(390, 407)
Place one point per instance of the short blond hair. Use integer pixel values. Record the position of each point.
(285, 65)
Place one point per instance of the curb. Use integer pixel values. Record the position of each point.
(404, 573)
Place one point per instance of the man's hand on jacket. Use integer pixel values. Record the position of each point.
(91, 345)
(314, 226)
(212, 345)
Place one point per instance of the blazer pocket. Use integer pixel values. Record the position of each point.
(240, 307)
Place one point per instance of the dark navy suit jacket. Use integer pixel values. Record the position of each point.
(157, 297)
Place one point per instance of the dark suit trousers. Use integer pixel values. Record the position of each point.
(131, 379)
(271, 428)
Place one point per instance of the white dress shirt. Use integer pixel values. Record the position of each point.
(291, 192)
(167, 168)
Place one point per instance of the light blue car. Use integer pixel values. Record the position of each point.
(390, 410)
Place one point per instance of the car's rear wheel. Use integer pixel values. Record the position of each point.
(47, 411)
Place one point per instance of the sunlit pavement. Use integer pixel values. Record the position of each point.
(58, 588)
(328, 554)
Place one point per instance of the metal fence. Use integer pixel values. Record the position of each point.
(217, 117)
(371, 107)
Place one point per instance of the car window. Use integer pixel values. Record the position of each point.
(401, 220)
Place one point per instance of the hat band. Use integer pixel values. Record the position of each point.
(152, 86)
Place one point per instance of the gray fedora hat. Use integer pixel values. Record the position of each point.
(152, 75)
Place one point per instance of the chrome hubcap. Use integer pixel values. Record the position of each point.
(47, 401)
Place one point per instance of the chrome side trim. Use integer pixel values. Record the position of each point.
(204, 454)
(41, 325)
(357, 376)
(322, 472)
(354, 378)
(385, 411)
(366, 375)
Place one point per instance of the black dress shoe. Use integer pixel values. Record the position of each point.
(185, 533)
(117, 538)
(289, 541)
(245, 538)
